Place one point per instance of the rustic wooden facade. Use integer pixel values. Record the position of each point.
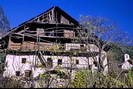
(52, 26)
(51, 29)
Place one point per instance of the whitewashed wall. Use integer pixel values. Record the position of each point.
(14, 63)
(89, 47)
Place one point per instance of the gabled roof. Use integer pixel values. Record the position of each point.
(55, 9)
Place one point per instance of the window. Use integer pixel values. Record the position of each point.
(59, 61)
(95, 63)
(23, 60)
(17, 73)
(127, 56)
(50, 62)
(28, 73)
(77, 61)
(81, 45)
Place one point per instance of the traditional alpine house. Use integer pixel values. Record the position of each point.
(46, 41)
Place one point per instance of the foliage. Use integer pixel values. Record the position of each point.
(130, 78)
(80, 79)
(119, 50)
(2, 62)
(42, 75)
(54, 48)
(86, 79)
(11, 83)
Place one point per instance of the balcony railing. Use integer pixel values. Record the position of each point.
(42, 46)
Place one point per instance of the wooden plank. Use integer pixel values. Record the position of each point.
(68, 34)
(14, 46)
(27, 45)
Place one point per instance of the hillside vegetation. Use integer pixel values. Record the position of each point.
(119, 51)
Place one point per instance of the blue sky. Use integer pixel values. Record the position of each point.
(119, 11)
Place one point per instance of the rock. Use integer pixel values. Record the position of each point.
(4, 24)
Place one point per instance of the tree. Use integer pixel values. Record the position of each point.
(104, 33)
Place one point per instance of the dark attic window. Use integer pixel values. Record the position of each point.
(59, 61)
(17, 73)
(23, 60)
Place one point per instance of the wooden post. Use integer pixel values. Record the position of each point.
(24, 34)
(53, 16)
